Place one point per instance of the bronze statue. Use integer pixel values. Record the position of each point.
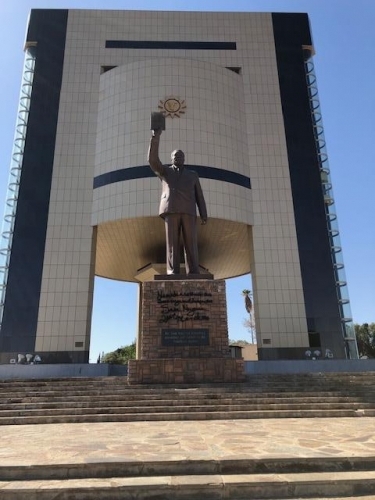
(181, 192)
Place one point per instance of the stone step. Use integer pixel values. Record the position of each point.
(182, 394)
(196, 487)
(214, 415)
(321, 381)
(245, 386)
(186, 467)
(32, 404)
(162, 394)
(364, 378)
(159, 398)
(254, 381)
(233, 407)
(74, 395)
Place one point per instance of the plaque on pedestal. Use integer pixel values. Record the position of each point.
(184, 334)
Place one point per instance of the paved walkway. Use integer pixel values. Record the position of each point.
(199, 440)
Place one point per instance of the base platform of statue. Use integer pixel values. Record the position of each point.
(185, 371)
(186, 277)
(184, 334)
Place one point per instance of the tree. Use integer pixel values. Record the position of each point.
(248, 301)
(241, 343)
(365, 339)
(249, 323)
(120, 356)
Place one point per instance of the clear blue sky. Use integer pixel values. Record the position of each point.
(344, 39)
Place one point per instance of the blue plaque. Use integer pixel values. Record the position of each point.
(185, 337)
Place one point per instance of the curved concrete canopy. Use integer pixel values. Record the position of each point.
(127, 245)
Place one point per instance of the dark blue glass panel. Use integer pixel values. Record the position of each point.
(18, 329)
(144, 171)
(292, 33)
(149, 44)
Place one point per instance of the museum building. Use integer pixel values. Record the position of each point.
(239, 95)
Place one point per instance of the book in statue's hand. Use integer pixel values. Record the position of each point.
(157, 121)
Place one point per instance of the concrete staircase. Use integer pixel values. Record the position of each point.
(110, 399)
(262, 396)
(193, 480)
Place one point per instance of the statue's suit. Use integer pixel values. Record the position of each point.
(181, 192)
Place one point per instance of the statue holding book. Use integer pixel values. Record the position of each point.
(181, 194)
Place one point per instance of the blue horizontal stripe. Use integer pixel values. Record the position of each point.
(144, 172)
(149, 44)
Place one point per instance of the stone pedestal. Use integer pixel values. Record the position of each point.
(184, 334)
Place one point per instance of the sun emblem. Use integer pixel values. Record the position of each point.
(172, 106)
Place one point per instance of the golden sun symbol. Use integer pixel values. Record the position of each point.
(172, 106)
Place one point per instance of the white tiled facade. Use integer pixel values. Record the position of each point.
(211, 131)
(232, 121)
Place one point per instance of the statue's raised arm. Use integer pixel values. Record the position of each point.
(153, 153)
